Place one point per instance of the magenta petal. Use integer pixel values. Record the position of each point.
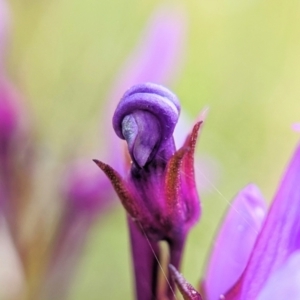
(279, 237)
(285, 282)
(235, 241)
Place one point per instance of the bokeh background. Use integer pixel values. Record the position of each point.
(241, 58)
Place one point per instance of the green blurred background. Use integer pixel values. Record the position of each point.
(242, 60)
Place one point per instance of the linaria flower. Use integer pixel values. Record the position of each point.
(87, 195)
(159, 192)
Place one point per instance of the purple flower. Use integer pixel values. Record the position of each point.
(159, 192)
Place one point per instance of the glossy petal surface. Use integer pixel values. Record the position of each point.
(285, 282)
(235, 241)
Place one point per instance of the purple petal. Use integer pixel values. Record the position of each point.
(285, 282)
(235, 241)
(279, 237)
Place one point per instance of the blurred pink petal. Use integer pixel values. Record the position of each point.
(235, 241)
(5, 20)
(296, 127)
(12, 277)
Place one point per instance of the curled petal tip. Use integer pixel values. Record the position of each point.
(186, 289)
(152, 98)
(144, 109)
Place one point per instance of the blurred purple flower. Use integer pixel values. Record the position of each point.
(84, 190)
(14, 133)
(15, 173)
(87, 196)
(15, 155)
(159, 193)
